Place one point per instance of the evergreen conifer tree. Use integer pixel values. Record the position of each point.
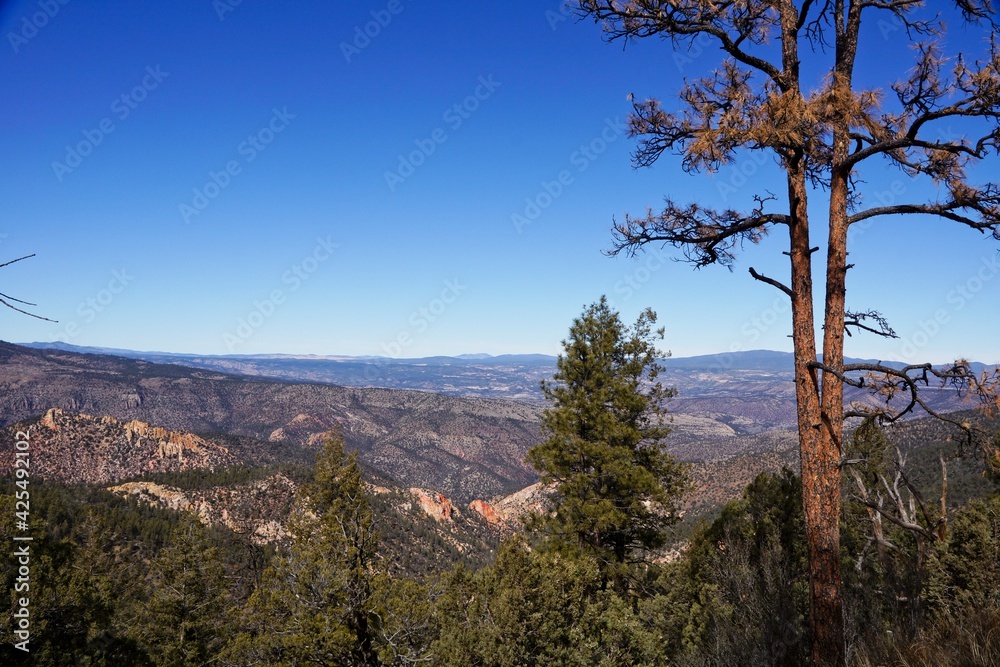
(615, 490)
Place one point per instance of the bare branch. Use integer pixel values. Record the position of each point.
(901, 9)
(885, 382)
(770, 281)
(37, 317)
(856, 319)
(961, 209)
(704, 235)
(6, 299)
(732, 23)
(10, 298)
(16, 260)
(969, 92)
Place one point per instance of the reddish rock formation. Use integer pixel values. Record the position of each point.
(435, 505)
(486, 511)
(49, 420)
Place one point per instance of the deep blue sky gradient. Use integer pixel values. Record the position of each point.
(433, 262)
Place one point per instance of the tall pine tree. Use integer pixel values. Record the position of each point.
(615, 490)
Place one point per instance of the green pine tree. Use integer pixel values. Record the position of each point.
(539, 609)
(615, 490)
(185, 620)
(329, 600)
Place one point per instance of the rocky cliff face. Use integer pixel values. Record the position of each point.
(486, 511)
(73, 448)
(422, 528)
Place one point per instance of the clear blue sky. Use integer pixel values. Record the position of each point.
(182, 167)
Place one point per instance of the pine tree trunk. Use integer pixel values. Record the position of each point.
(822, 514)
(818, 451)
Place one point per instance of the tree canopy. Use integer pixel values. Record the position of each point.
(615, 490)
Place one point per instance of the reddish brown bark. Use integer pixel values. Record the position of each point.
(818, 450)
(818, 443)
(820, 459)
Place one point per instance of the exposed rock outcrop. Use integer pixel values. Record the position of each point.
(72, 447)
(306, 429)
(435, 505)
(512, 508)
(486, 511)
(251, 509)
(49, 419)
(467, 448)
(154, 494)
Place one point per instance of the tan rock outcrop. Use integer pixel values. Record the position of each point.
(528, 500)
(169, 444)
(154, 494)
(242, 508)
(81, 448)
(49, 420)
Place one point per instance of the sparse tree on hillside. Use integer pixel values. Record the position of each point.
(822, 130)
(314, 604)
(615, 490)
(746, 575)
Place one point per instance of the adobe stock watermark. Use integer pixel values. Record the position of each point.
(223, 7)
(247, 150)
(739, 172)
(263, 309)
(454, 117)
(695, 50)
(957, 298)
(93, 306)
(121, 108)
(21, 553)
(893, 194)
(634, 280)
(31, 24)
(364, 34)
(887, 26)
(579, 161)
(421, 319)
(880, 198)
(555, 17)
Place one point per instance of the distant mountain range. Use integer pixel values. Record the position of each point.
(510, 376)
(721, 397)
(440, 359)
(760, 360)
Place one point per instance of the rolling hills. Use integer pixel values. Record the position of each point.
(466, 448)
